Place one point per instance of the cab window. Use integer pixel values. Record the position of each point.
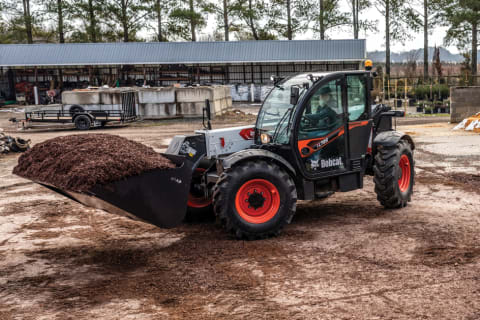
(357, 100)
(323, 112)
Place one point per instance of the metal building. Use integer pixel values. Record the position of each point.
(78, 65)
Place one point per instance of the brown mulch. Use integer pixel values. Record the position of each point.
(79, 162)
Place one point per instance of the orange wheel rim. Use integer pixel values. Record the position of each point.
(257, 201)
(405, 170)
(195, 201)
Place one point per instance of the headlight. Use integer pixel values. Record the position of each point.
(265, 138)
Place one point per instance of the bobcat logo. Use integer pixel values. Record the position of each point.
(314, 164)
(332, 162)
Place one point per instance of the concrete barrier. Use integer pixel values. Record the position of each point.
(465, 102)
(81, 97)
(191, 100)
(156, 103)
(100, 96)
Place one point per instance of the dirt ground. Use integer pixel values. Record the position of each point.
(341, 258)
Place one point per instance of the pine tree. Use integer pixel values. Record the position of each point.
(227, 13)
(398, 19)
(288, 17)
(326, 15)
(88, 13)
(61, 13)
(189, 17)
(358, 24)
(252, 25)
(126, 17)
(161, 10)
(463, 19)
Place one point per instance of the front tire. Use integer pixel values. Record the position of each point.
(199, 208)
(255, 200)
(394, 175)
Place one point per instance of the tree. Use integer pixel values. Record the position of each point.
(189, 17)
(326, 16)
(437, 63)
(251, 15)
(430, 17)
(463, 19)
(398, 19)
(129, 16)
(21, 17)
(161, 9)
(357, 7)
(61, 11)
(288, 17)
(87, 12)
(411, 65)
(27, 16)
(227, 14)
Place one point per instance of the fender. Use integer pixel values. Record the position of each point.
(391, 138)
(231, 160)
(83, 113)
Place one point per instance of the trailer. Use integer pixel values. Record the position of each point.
(85, 116)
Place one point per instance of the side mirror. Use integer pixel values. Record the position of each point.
(294, 95)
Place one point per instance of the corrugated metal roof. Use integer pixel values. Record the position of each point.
(181, 52)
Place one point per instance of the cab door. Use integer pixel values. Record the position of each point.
(359, 122)
(321, 140)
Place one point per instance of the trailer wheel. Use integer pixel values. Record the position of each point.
(394, 175)
(82, 122)
(255, 200)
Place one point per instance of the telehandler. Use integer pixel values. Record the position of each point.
(315, 134)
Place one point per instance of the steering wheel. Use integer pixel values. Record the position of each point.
(307, 122)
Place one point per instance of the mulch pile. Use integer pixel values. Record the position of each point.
(79, 162)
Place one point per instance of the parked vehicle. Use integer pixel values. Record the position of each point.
(85, 117)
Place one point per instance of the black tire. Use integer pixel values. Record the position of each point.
(388, 174)
(82, 122)
(231, 186)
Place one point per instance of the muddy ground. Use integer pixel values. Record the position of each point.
(341, 258)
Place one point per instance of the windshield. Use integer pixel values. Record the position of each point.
(273, 118)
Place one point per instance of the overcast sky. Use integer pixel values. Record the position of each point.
(375, 40)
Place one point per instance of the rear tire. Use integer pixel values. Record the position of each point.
(254, 200)
(82, 122)
(394, 175)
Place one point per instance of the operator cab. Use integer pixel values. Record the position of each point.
(327, 123)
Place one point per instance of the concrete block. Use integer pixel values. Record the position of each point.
(464, 102)
(191, 109)
(194, 94)
(156, 95)
(110, 97)
(157, 110)
(81, 97)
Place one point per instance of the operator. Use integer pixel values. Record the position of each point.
(325, 113)
(323, 117)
